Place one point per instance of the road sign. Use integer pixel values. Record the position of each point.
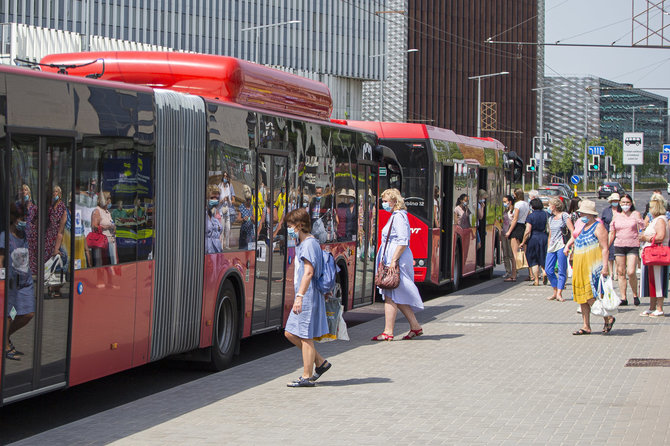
(664, 158)
(382, 171)
(633, 148)
(666, 147)
(575, 179)
(596, 150)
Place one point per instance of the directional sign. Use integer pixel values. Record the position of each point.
(574, 179)
(666, 147)
(596, 150)
(382, 171)
(633, 144)
(664, 158)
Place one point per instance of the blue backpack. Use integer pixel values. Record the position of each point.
(326, 281)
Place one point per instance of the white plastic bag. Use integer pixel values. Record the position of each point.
(337, 328)
(53, 271)
(610, 299)
(599, 308)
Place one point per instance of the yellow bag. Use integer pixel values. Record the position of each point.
(521, 261)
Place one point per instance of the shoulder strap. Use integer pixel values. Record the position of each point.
(388, 235)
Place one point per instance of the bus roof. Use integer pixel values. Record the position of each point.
(403, 130)
(218, 77)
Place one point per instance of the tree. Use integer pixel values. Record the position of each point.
(564, 164)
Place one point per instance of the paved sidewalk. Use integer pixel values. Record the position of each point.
(497, 365)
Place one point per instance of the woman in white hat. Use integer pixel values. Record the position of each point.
(589, 264)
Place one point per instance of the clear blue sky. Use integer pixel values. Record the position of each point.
(603, 22)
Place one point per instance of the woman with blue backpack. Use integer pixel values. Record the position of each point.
(308, 316)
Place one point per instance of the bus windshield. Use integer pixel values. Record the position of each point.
(413, 158)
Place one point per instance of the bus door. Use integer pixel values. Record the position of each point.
(37, 182)
(366, 248)
(481, 222)
(271, 207)
(446, 218)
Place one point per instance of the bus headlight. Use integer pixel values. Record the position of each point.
(421, 262)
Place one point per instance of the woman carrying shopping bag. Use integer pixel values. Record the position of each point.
(654, 278)
(394, 252)
(308, 318)
(559, 223)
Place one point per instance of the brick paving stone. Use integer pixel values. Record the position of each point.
(497, 365)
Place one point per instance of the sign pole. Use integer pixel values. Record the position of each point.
(632, 182)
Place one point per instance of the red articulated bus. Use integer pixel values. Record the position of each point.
(452, 186)
(143, 209)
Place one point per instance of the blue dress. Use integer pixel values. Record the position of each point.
(21, 288)
(213, 229)
(536, 253)
(407, 293)
(312, 321)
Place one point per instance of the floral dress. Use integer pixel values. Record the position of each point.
(31, 236)
(55, 214)
(587, 265)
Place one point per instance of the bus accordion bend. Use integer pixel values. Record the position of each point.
(441, 171)
(188, 165)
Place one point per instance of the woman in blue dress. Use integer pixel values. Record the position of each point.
(397, 254)
(308, 316)
(213, 227)
(536, 238)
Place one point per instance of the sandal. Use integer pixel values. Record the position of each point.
(551, 298)
(413, 334)
(545, 279)
(301, 382)
(580, 332)
(320, 370)
(608, 325)
(14, 350)
(383, 337)
(510, 279)
(560, 299)
(11, 355)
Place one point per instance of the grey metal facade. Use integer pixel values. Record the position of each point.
(333, 37)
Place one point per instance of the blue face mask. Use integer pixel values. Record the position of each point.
(213, 203)
(26, 197)
(21, 226)
(584, 220)
(291, 232)
(55, 199)
(386, 206)
(318, 198)
(225, 181)
(109, 205)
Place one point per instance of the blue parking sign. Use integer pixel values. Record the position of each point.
(664, 158)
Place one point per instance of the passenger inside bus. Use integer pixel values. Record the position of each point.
(462, 212)
(346, 215)
(101, 221)
(213, 226)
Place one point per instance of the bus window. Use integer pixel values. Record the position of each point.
(344, 151)
(318, 187)
(413, 158)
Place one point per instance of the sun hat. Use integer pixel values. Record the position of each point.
(614, 197)
(587, 207)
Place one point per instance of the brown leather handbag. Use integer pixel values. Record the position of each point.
(385, 278)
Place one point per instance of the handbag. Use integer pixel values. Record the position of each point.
(565, 231)
(655, 254)
(96, 239)
(521, 261)
(385, 278)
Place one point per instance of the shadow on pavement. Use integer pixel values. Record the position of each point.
(355, 382)
(626, 331)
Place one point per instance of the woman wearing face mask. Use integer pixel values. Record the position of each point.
(346, 215)
(462, 212)
(508, 258)
(20, 288)
(589, 264)
(55, 228)
(307, 319)
(558, 222)
(517, 226)
(213, 226)
(654, 279)
(606, 216)
(624, 233)
(246, 214)
(398, 256)
(101, 220)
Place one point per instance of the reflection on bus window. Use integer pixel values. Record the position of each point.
(415, 187)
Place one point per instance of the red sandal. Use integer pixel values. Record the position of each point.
(413, 334)
(383, 337)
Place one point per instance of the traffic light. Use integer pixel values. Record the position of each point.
(531, 167)
(595, 164)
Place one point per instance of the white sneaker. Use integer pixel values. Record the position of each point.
(646, 313)
(657, 314)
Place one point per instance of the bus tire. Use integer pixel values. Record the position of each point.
(458, 271)
(341, 288)
(225, 334)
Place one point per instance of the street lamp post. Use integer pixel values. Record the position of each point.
(258, 33)
(479, 97)
(382, 78)
(540, 170)
(632, 167)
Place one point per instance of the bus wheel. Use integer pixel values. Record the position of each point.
(340, 291)
(225, 334)
(458, 274)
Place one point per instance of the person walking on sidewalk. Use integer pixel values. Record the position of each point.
(535, 237)
(654, 279)
(624, 233)
(307, 319)
(517, 226)
(589, 264)
(398, 256)
(606, 216)
(558, 224)
(508, 257)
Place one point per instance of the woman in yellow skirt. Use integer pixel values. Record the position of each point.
(589, 263)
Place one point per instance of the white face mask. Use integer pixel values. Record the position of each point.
(625, 207)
